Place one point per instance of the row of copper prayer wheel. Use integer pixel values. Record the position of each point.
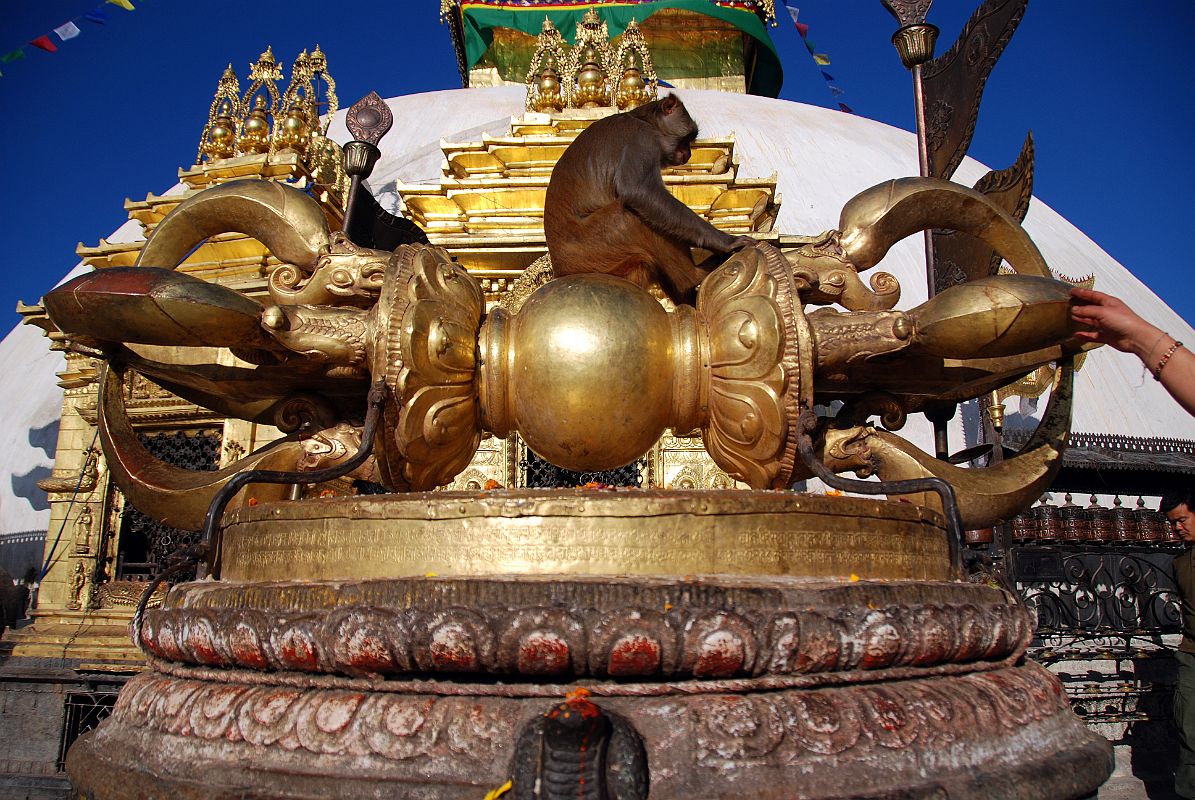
(1046, 523)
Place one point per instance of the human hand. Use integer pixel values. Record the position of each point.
(1109, 321)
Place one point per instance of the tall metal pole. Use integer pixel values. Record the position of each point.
(914, 42)
(931, 280)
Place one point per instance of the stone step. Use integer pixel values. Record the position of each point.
(103, 639)
(113, 655)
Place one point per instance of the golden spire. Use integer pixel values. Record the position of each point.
(319, 71)
(300, 105)
(636, 86)
(543, 82)
(294, 128)
(267, 67)
(265, 74)
(300, 129)
(587, 66)
(218, 139)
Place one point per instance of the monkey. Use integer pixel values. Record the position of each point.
(607, 209)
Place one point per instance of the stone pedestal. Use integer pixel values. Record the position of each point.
(853, 667)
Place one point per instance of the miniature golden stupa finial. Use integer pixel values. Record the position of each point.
(266, 68)
(305, 111)
(636, 86)
(587, 66)
(218, 139)
(294, 126)
(255, 130)
(300, 106)
(543, 82)
(264, 74)
(319, 72)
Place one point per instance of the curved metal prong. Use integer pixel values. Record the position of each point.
(285, 220)
(874, 220)
(985, 495)
(172, 495)
(146, 305)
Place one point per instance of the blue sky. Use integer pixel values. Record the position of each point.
(116, 111)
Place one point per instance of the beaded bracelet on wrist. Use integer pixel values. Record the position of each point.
(1165, 359)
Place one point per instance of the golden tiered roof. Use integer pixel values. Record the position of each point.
(233, 259)
(487, 208)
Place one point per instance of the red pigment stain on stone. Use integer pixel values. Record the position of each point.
(890, 715)
(366, 652)
(722, 655)
(452, 650)
(576, 702)
(297, 653)
(167, 641)
(542, 654)
(246, 650)
(199, 642)
(634, 654)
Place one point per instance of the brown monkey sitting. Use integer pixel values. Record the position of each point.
(607, 209)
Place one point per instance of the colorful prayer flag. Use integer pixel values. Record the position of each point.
(837, 91)
(125, 4)
(846, 108)
(827, 75)
(14, 55)
(97, 16)
(44, 43)
(810, 47)
(67, 30)
(793, 11)
(821, 59)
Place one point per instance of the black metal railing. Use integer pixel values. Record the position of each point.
(538, 473)
(146, 544)
(83, 711)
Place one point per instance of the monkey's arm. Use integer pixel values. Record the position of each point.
(640, 186)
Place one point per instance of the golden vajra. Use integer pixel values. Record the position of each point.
(740, 366)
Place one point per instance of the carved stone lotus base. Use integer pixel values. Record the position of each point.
(1006, 733)
(820, 685)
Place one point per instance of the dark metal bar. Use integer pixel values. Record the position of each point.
(368, 119)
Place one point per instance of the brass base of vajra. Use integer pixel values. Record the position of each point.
(433, 646)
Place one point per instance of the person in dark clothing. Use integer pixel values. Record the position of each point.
(10, 601)
(1177, 506)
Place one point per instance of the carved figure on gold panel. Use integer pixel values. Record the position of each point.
(78, 581)
(741, 366)
(83, 524)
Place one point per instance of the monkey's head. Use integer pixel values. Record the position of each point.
(675, 129)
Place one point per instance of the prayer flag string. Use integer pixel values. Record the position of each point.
(820, 59)
(66, 31)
